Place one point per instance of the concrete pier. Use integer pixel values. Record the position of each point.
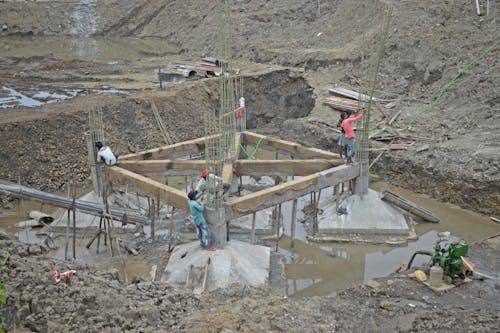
(216, 220)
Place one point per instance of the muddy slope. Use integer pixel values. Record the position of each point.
(50, 143)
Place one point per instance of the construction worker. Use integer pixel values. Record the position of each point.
(196, 207)
(341, 142)
(104, 154)
(202, 183)
(349, 135)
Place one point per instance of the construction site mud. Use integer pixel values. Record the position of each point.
(438, 79)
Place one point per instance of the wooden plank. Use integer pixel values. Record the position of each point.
(164, 167)
(191, 146)
(408, 206)
(351, 94)
(288, 147)
(343, 104)
(288, 191)
(283, 167)
(169, 195)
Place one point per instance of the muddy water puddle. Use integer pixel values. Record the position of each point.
(325, 268)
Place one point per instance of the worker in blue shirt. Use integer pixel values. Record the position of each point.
(196, 207)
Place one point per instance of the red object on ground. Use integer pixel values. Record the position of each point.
(65, 276)
(212, 248)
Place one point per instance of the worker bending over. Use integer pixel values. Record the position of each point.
(104, 154)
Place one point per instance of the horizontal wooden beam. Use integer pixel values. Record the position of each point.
(282, 167)
(287, 191)
(191, 146)
(295, 149)
(164, 167)
(168, 195)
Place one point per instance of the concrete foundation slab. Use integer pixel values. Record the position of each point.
(237, 262)
(367, 217)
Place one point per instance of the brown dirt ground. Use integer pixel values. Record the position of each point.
(286, 49)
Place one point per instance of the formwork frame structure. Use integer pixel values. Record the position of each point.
(317, 169)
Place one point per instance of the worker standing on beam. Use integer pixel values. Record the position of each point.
(349, 135)
(196, 207)
(341, 142)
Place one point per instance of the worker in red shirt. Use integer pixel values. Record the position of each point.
(349, 135)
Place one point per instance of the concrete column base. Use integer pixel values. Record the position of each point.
(216, 220)
(361, 183)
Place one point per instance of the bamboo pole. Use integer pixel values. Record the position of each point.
(99, 234)
(253, 227)
(74, 227)
(278, 227)
(294, 221)
(337, 199)
(171, 230)
(66, 245)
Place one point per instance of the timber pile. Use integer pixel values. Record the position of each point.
(351, 94)
(342, 104)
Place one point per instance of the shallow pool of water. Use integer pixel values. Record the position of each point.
(325, 268)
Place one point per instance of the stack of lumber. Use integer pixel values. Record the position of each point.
(342, 104)
(351, 94)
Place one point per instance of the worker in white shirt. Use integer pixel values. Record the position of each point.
(104, 154)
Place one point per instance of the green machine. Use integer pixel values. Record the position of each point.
(448, 256)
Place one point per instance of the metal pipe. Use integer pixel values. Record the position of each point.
(427, 253)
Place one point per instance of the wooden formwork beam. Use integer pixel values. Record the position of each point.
(283, 167)
(288, 191)
(287, 147)
(191, 146)
(167, 194)
(164, 167)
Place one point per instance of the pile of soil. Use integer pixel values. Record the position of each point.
(397, 303)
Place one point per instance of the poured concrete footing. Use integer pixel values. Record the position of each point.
(368, 219)
(237, 262)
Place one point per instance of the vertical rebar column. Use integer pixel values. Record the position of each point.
(372, 69)
(95, 133)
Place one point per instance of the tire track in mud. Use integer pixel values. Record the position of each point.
(139, 16)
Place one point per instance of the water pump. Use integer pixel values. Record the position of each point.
(448, 255)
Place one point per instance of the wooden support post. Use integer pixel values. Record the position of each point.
(171, 231)
(314, 217)
(253, 227)
(240, 186)
(278, 227)
(107, 220)
(294, 222)
(74, 223)
(337, 199)
(106, 235)
(151, 203)
(316, 205)
(99, 234)
(67, 236)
